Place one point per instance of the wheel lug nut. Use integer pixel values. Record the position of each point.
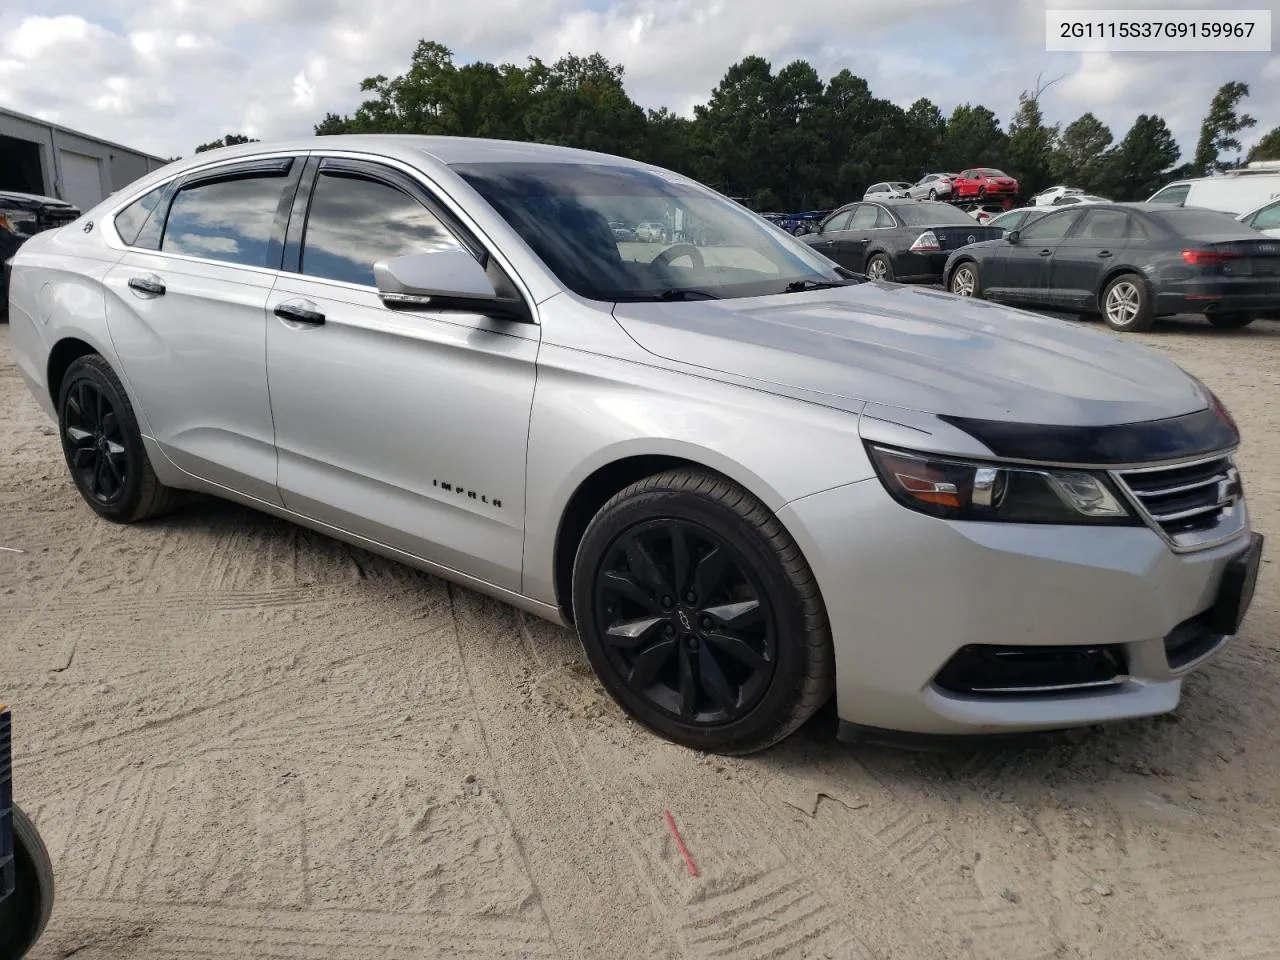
(669, 630)
(691, 597)
(693, 643)
(668, 602)
(706, 623)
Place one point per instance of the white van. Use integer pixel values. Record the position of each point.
(1233, 192)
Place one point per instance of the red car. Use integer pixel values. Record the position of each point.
(983, 182)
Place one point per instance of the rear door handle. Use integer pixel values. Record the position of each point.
(1046, 253)
(1104, 253)
(150, 285)
(299, 313)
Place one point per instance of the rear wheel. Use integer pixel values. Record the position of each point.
(103, 445)
(965, 281)
(1231, 321)
(700, 615)
(880, 267)
(933, 194)
(24, 914)
(1126, 304)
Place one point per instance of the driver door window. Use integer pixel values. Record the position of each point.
(355, 222)
(838, 222)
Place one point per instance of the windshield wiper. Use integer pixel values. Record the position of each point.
(667, 295)
(799, 286)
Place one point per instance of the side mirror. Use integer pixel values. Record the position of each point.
(448, 280)
(1013, 236)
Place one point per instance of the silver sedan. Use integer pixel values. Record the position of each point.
(749, 478)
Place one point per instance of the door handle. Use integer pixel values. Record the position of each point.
(1104, 253)
(150, 285)
(299, 314)
(1046, 253)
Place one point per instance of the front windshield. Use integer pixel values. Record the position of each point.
(580, 219)
(930, 214)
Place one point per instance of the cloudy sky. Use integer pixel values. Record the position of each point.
(165, 75)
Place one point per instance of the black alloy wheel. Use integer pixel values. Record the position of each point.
(103, 446)
(94, 442)
(700, 614)
(684, 622)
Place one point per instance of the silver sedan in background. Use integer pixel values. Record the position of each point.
(748, 477)
(932, 186)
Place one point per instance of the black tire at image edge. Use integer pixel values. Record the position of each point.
(24, 914)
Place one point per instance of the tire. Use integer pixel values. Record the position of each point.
(982, 192)
(879, 267)
(24, 914)
(1138, 313)
(128, 497)
(799, 232)
(632, 542)
(1231, 321)
(933, 194)
(966, 280)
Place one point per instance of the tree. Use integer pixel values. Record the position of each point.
(230, 140)
(927, 130)
(1268, 148)
(1218, 132)
(1030, 145)
(973, 139)
(1143, 161)
(1080, 157)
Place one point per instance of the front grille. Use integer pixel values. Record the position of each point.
(1185, 498)
(6, 806)
(1191, 640)
(984, 670)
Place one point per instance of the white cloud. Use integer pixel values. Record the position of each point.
(164, 75)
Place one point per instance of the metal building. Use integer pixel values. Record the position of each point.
(46, 159)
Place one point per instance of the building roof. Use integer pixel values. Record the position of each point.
(5, 111)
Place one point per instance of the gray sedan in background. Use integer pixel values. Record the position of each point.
(748, 477)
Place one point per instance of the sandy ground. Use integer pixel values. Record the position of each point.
(244, 740)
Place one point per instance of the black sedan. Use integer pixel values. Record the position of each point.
(903, 240)
(1130, 262)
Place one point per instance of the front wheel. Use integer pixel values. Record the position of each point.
(933, 194)
(1126, 304)
(1231, 321)
(25, 912)
(965, 281)
(700, 615)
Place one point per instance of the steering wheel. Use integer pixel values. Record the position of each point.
(675, 252)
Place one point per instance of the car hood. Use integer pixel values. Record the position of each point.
(919, 349)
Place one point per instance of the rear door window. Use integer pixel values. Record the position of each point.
(1103, 225)
(231, 220)
(865, 216)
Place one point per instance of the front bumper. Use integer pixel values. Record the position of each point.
(906, 592)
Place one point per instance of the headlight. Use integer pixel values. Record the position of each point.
(965, 490)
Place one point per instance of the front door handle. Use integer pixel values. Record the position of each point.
(1046, 253)
(299, 314)
(149, 286)
(1104, 253)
